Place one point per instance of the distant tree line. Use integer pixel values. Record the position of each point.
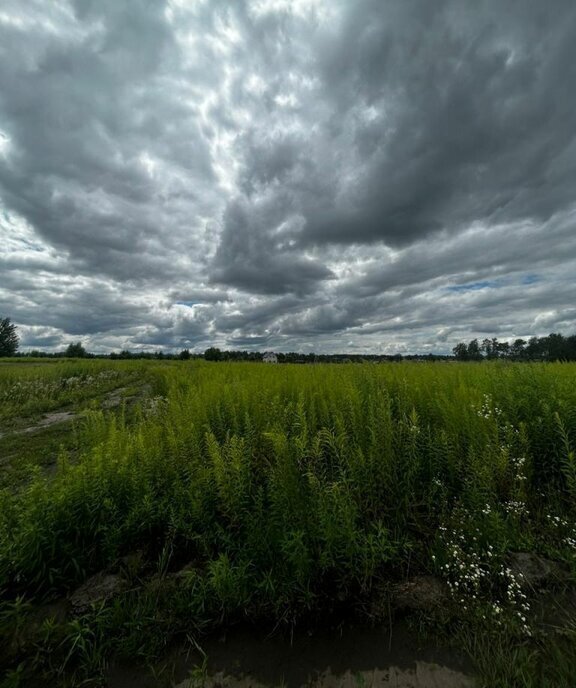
(554, 347)
(216, 354)
(77, 350)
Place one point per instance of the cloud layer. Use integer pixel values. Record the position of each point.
(306, 175)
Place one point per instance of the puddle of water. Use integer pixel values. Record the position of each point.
(354, 658)
(424, 675)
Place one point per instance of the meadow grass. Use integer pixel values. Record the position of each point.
(31, 387)
(280, 493)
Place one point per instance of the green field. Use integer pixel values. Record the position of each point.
(220, 494)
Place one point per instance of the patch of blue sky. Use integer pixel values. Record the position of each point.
(531, 279)
(31, 246)
(476, 286)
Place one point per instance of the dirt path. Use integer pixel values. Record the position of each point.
(48, 419)
(38, 441)
(111, 400)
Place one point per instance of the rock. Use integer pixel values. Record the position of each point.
(422, 593)
(96, 589)
(532, 570)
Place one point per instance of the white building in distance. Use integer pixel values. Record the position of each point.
(270, 357)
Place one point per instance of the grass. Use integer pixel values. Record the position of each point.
(282, 493)
(547, 662)
(29, 389)
(23, 453)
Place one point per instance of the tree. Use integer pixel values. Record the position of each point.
(490, 347)
(75, 351)
(8, 338)
(518, 349)
(571, 347)
(503, 349)
(557, 347)
(474, 353)
(537, 349)
(184, 355)
(213, 354)
(460, 351)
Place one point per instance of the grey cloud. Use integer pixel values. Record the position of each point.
(485, 251)
(249, 342)
(82, 111)
(77, 306)
(90, 310)
(187, 296)
(261, 315)
(311, 177)
(430, 117)
(40, 337)
(176, 328)
(256, 250)
(325, 318)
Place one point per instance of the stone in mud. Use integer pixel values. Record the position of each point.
(531, 570)
(422, 593)
(96, 589)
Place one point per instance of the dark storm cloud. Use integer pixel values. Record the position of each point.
(261, 315)
(305, 174)
(435, 116)
(77, 309)
(37, 339)
(86, 108)
(256, 251)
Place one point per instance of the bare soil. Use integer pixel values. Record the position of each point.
(48, 419)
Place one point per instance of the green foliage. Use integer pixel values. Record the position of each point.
(8, 338)
(213, 354)
(28, 389)
(75, 350)
(284, 490)
(554, 347)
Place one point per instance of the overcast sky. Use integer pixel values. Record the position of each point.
(338, 176)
